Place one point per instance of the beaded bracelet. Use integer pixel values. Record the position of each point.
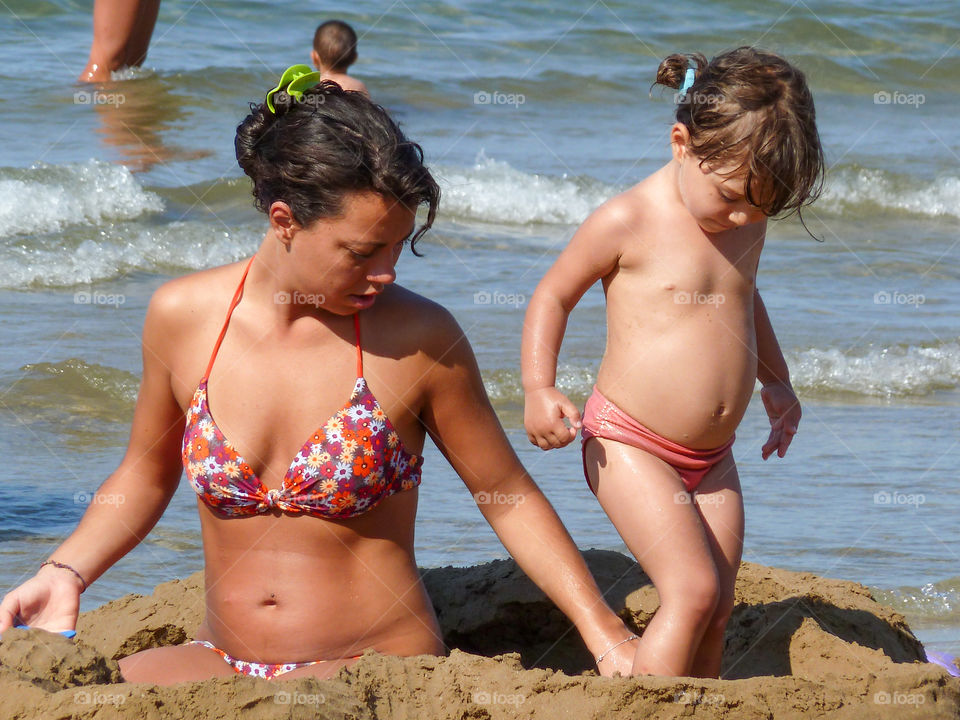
(614, 646)
(64, 566)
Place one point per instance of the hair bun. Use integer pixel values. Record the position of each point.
(674, 68)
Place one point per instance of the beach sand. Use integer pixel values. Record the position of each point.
(798, 646)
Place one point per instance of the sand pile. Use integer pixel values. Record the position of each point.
(797, 646)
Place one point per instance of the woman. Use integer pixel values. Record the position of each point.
(309, 562)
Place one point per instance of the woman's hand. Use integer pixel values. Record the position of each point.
(50, 600)
(543, 413)
(783, 409)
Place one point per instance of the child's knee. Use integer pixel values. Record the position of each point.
(698, 597)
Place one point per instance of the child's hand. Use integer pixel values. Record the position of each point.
(783, 409)
(543, 414)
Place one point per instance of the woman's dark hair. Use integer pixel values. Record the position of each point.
(752, 109)
(316, 149)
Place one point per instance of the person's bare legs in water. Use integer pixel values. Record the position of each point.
(121, 36)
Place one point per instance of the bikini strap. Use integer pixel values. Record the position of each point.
(223, 331)
(356, 327)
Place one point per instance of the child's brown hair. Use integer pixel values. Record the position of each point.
(752, 109)
(335, 43)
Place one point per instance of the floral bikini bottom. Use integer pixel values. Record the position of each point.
(268, 671)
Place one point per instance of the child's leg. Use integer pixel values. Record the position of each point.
(645, 499)
(114, 23)
(139, 41)
(720, 504)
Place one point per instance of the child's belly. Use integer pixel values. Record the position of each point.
(686, 373)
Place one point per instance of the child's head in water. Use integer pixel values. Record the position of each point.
(334, 47)
(749, 126)
(315, 150)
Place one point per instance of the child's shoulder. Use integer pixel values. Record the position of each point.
(629, 210)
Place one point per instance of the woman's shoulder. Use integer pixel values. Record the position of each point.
(196, 292)
(422, 322)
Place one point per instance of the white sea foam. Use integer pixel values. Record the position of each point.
(853, 187)
(900, 371)
(47, 198)
(187, 245)
(494, 192)
(883, 372)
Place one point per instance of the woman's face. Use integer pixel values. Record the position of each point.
(346, 261)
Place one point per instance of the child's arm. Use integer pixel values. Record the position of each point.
(779, 400)
(592, 253)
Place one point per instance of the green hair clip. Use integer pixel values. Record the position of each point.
(296, 79)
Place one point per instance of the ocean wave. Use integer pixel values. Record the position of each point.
(71, 389)
(885, 372)
(491, 191)
(48, 198)
(178, 246)
(934, 602)
(857, 189)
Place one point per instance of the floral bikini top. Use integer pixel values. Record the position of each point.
(351, 463)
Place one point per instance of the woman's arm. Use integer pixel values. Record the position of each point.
(458, 416)
(779, 399)
(127, 505)
(592, 253)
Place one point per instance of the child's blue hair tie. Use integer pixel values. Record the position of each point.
(688, 81)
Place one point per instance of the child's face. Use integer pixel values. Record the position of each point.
(715, 197)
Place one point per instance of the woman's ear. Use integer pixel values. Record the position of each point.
(282, 222)
(679, 141)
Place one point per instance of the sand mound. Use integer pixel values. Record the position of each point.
(797, 646)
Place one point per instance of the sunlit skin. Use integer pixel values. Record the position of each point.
(121, 36)
(341, 78)
(687, 338)
(291, 588)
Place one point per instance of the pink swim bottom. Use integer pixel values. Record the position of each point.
(603, 419)
(268, 671)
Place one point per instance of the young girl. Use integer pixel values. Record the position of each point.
(687, 336)
(296, 389)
